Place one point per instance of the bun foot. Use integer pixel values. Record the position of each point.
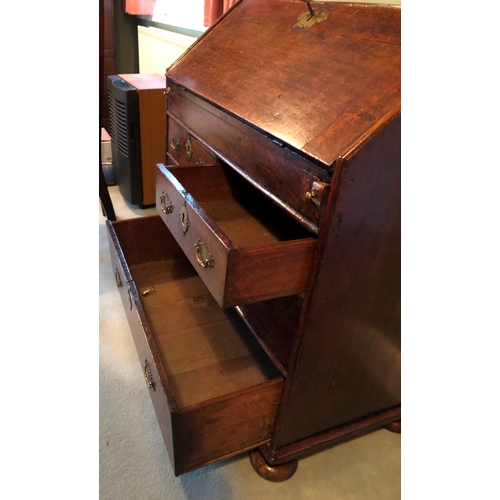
(394, 427)
(275, 473)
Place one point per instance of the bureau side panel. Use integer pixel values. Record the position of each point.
(347, 362)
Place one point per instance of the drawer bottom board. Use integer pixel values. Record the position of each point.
(206, 351)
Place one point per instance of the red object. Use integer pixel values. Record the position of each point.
(215, 8)
(139, 7)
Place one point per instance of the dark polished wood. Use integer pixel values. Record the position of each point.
(394, 427)
(301, 215)
(305, 87)
(274, 473)
(215, 392)
(257, 252)
(349, 347)
(176, 147)
(275, 324)
(329, 438)
(283, 175)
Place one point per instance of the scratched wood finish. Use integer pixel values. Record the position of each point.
(216, 392)
(278, 171)
(258, 252)
(329, 438)
(331, 94)
(349, 349)
(317, 90)
(225, 427)
(281, 106)
(177, 150)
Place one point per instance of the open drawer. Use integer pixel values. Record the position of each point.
(244, 247)
(214, 390)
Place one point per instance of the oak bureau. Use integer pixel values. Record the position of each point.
(264, 296)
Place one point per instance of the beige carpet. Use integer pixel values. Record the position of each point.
(134, 464)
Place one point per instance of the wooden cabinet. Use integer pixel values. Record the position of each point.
(264, 298)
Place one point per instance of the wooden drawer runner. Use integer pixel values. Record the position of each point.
(243, 246)
(184, 149)
(214, 390)
(282, 174)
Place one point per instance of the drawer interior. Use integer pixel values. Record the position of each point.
(243, 213)
(206, 351)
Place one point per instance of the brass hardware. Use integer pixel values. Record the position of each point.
(169, 97)
(118, 280)
(200, 161)
(318, 193)
(129, 298)
(310, 18)
(166, 204)
(148, 376)
(189, 148)
(175, 142)
(203, 256)
(148, 291)
(183, 213)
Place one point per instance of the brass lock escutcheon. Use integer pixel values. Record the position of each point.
(189, 148)
(310, 18)
(118, 280)
(183, 214)
(203, 256)
(165, 203)
(175, 142)
(148, 376)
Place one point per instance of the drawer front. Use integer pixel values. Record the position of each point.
(190, 228)
(184, 149)
(233, 275)
(283, 175)
(146, 350)
(150, 364)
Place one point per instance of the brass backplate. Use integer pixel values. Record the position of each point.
(203, 256)
(165, 203)
(306, 20)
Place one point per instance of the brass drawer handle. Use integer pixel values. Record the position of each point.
(118, 280)
(175, 142)
(166, 204)
(148, 376)
(203, 256)
(183, 213)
